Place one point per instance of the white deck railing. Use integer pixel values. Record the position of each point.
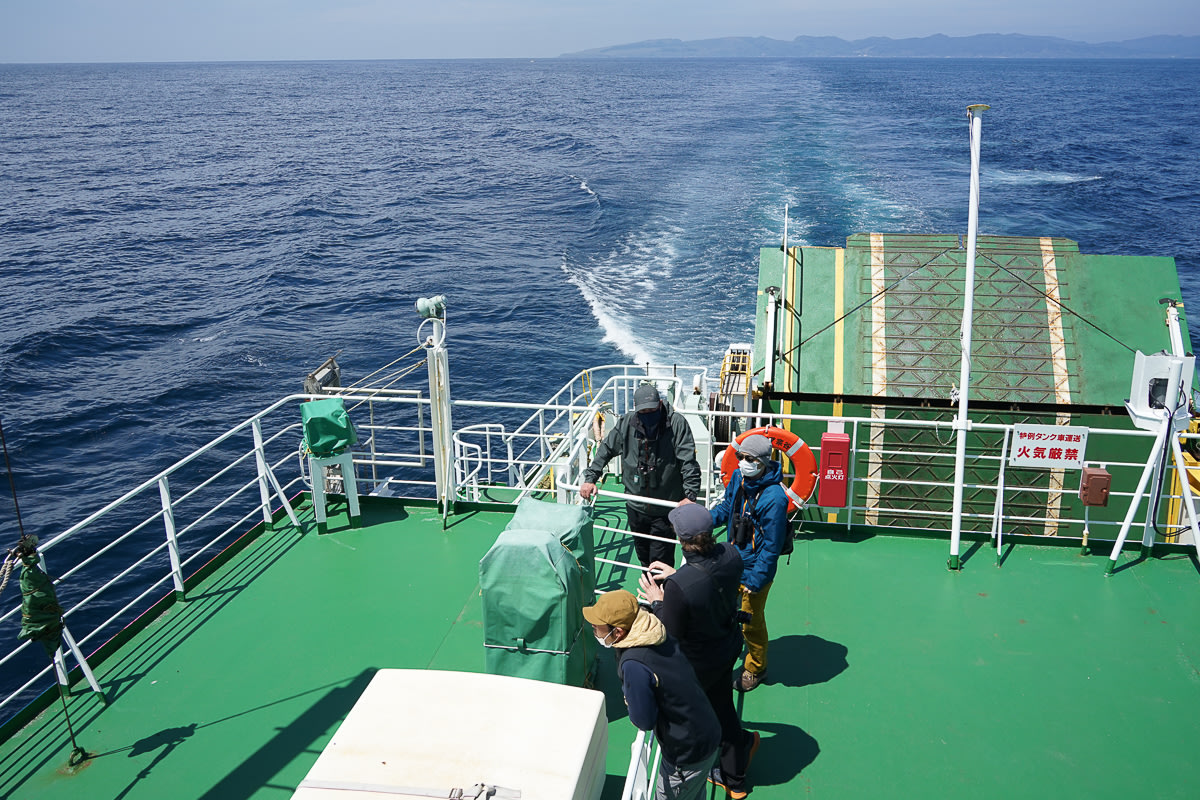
(120, 559)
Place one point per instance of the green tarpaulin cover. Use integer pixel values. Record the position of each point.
(327, 427)
(571, 524)
(41, 615)
(535, 582)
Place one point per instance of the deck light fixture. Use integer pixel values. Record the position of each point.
(432, 307)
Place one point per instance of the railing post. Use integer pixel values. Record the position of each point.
(998, 509)
(374, 450)
(582, 458)
(488, 455)
(86, 668)
(59, 659)
(164, 492)
(851, 472)
(421, 430)
(264, 483)
(514, 472)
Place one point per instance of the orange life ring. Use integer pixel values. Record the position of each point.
(803, 462)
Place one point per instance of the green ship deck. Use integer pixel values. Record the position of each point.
(880, 319)
(889, 675)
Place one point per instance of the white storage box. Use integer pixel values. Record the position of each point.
(424, 733)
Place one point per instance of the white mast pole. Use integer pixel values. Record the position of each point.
(974, 114)
(433, 309)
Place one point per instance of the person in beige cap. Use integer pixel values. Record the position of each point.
(661, 693)
(658, 460)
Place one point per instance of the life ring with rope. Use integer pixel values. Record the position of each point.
(604, 419)
(804, 463)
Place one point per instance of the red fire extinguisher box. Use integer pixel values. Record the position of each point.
(834, 471)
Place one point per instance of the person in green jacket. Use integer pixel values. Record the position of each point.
(658, 460)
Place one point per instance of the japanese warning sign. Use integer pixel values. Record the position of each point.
(1047, 447)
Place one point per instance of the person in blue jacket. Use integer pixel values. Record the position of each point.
(754, 512)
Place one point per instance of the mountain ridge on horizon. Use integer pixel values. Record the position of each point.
(982, 45)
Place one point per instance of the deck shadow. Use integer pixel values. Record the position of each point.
(171, 629)
(166, 741)
(827, 534)
(804, 660)
(298, 736)
(785, 752)
(971, 551)
(608, 683)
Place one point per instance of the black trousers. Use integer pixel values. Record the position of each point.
(734, 755)
(649, 550)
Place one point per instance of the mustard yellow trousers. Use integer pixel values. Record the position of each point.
(755, 631)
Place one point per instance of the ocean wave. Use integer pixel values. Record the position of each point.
(207, 338)
(583, 184)
(617, 331)
(1032, 177)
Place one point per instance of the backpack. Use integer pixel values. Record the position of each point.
(789, 542)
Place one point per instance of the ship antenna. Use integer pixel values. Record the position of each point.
(974, 112)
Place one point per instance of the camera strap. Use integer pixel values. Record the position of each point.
(743, 501)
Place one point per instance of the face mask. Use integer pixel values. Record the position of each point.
(650, 419)
(751, 469)
(604, 642)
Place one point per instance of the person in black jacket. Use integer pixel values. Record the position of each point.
(698, 605)
(661, 692)
(658, 459)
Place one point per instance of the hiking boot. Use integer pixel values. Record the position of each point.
(748, 681)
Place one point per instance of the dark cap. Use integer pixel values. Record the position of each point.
(645, 398)
(617, 609)
(690, 520)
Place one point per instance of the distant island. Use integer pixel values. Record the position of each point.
(986, 45)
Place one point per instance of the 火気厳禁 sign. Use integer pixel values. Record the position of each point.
(1047, 446)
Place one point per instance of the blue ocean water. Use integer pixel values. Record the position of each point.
(181, 243)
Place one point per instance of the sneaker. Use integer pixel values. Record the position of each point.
(718, 780)
(748, 681)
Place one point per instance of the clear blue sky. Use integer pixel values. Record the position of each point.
(220, 30)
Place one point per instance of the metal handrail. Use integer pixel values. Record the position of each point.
(558, 432)
(644, 755)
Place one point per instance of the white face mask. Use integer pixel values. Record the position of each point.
(751, 469)
(604, 642)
